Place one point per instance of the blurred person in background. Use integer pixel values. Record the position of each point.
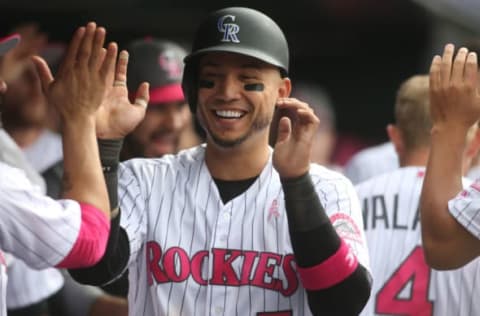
(168, 125)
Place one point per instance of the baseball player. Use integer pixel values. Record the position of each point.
(403, 283)
(65, 233)
(233, 227)
(449, 222)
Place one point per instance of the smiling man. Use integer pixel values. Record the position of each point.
(233, 227)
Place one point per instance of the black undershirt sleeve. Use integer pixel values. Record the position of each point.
(314, 239)
(113, 262)
(117, 253)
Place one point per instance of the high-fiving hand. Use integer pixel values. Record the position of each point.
(117, 116)
(454, 98)
(81, 82)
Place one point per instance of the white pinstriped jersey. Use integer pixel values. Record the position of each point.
(465, 207)
(370, 162)
(23, 281)
(28, 286)
(402, 282)
(3, 285)
(33, 227)
(193, 255)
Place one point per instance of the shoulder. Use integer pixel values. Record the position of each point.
(400, 180)
(321, 173)
(12, 177)
(377, 157)
(328, 181)
(167, 163)
(382, 150)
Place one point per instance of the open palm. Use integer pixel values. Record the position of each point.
(117, 116)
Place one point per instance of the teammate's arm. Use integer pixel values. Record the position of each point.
(455, 107)
(335, 282)
(66, 233)
(77, 92)
(116, 118)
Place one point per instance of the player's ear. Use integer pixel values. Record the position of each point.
(285, 87)
(395, 136)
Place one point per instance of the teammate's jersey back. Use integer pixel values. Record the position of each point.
(403, 284)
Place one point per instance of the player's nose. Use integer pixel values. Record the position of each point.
(228, 89)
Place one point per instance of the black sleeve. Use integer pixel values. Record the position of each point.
(117, 253)
(314, 240)
(113, 262)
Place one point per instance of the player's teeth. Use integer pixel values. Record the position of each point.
(228, 114)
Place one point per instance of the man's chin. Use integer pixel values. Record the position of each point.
(156, 150)
(228, 143)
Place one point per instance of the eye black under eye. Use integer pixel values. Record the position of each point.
(254, 87)
(207, 84)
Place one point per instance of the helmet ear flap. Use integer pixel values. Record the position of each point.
(190, 84)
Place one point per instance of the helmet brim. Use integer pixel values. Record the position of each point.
(257, 54)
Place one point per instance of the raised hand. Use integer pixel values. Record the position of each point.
(117, 116)
(454, 98)
(81, 81)
(291, 155)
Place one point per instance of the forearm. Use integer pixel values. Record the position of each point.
(443, 181)
(83, 178)
(116, 256)
(319, 251)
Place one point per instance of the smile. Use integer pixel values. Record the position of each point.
(229, 114)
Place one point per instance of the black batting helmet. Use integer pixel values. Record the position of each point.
(237, 30)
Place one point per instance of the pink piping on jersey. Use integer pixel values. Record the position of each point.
(92, 239)
(331, 271)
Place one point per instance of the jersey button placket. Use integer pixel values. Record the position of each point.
(223, 227)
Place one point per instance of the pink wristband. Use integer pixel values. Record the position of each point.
(332, 271)
(92, 239)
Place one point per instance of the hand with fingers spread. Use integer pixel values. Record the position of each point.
(117, 116)
(80, 84)
(455, 102)
(291, 155)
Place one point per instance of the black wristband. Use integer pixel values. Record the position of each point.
(110, 151)
(109, 156)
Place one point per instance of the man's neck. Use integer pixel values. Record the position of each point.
(24, 137)
(239, 162)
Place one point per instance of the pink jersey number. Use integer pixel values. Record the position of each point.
(415, 271)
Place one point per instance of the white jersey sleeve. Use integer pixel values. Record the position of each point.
(340, 201)
(27, 286)
(33, 227)
(465, 207)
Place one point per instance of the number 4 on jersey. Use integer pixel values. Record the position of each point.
(415, 271)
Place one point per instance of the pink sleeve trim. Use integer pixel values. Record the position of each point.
(332, 271)
(92, 239)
